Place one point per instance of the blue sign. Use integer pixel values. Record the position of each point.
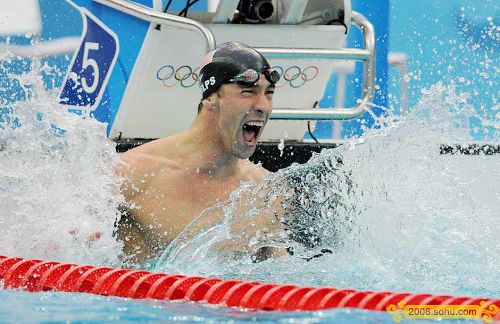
(92, 65)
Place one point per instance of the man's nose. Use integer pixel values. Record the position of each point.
(263, 104)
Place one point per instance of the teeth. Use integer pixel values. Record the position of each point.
(256, 123)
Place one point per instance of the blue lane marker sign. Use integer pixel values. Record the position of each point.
(91, 66)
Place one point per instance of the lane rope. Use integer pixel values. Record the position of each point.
(38, 275)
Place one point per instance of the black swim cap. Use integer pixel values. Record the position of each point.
(227, 61)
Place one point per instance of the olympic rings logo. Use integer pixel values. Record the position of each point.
(186, 77)
(170, 77)
(295, 76)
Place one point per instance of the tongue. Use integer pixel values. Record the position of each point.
(249, 135)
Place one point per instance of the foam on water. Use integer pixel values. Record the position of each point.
(57, 186)
(396, 214)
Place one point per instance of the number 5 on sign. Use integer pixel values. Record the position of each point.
(88, 62)
(91, 66)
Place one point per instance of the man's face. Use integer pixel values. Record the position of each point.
(244, 111)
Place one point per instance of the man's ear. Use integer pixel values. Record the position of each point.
(213, 100)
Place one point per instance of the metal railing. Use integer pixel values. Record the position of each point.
(148, 14)
(367, 55)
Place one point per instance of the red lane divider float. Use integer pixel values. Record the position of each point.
(37, 275)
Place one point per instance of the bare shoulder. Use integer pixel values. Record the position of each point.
(138, 164)
(135, 161)
(253, 172)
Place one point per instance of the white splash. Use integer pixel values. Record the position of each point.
(58, 191)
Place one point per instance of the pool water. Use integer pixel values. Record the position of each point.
(50, 307)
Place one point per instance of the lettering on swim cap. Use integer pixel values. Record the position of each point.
(207, 83)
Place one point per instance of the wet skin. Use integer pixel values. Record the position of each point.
(170, 181)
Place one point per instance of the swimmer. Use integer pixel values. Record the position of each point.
(170, 181)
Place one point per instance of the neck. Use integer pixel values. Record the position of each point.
(206, 151)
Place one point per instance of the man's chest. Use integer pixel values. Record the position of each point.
(165, 207)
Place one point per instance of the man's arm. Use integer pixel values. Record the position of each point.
(256, 225)
(128, 230)
(135, 247)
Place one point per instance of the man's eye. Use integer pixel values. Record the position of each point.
(248, 90)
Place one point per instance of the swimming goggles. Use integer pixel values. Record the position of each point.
(250, 76)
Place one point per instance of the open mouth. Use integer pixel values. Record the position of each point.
(251, 131)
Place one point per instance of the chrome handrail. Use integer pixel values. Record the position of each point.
(148, 14)
(367, 54)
